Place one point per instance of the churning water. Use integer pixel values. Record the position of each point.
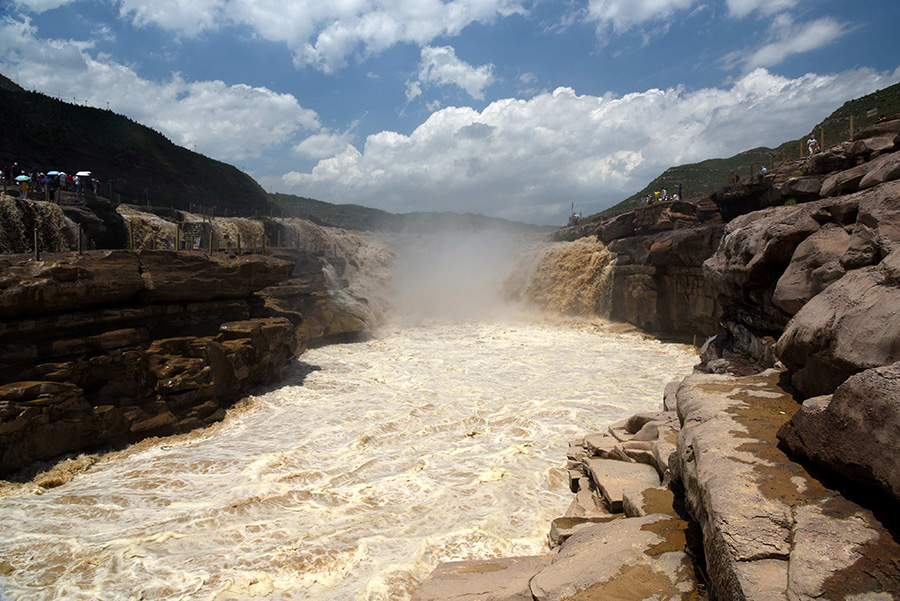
(372, 463)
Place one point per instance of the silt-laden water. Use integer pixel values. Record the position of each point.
(372, 463)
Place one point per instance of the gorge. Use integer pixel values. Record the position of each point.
(725, 490)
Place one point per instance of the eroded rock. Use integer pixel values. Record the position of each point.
(854, 432)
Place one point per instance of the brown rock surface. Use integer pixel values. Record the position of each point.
(502, 579)
(770, 530)
(637, 558)
(192, 276)
(814, 266)
(90, 357)
(852, 326)
(854, 432)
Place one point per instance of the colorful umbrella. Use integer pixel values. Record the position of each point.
(23, 178)
(83, 174)
(53, 173)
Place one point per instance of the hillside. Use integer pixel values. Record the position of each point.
(356, 217)
(132, 161)
(700, 179)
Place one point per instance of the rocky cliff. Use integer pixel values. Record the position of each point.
(107, 347)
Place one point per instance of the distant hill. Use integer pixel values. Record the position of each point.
(356, 217)
(131, 160)
(699, 180)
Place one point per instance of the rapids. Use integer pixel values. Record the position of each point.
(369, 465)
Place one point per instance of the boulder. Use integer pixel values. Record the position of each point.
(888, 170)
(814, 266)
(848, 181)
(854, 432)
(823, 163)
(802, 189)
(852, 326)
(865, 147)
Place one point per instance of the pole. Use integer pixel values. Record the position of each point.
(210, 242)
(239, 245)
(177, 236)
(37, 245)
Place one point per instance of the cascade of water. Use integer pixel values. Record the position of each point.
(569, 278)
(150, 231)
(19, 218)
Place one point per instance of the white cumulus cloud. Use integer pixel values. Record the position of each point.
(323, 145)
(442, 67)
(324, 34)
(228, 122)
(528, 159)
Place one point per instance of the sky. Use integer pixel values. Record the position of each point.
(510, 108)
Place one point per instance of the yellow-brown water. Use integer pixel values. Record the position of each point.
(368, 466)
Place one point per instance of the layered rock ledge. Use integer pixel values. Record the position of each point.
(113, 346)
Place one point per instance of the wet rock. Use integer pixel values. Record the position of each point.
(503, 579)
(854, 432)
(651, 500)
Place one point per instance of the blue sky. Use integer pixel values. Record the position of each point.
(511, 108)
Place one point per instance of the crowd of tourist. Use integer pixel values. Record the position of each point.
(658, 196)
(46, 184)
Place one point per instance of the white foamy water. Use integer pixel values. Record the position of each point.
(372, 463)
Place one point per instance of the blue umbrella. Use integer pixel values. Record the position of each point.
(47, 180)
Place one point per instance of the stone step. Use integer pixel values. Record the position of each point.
(629, 559)
(504, 579)
(614, 479)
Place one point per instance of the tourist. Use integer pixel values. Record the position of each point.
(78, 185)
(812, 145)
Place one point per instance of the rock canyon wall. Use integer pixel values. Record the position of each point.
(106, 347)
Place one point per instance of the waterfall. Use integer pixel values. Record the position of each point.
(19, 218)
(568, 278)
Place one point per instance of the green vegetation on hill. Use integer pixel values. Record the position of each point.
(356, 217)
(699, 180)
(133, 162)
